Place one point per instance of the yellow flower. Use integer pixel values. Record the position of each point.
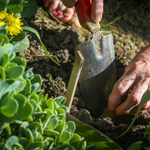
(13, 24)
(3, 15)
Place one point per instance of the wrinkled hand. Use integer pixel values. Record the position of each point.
(136, 76)
(96, 11)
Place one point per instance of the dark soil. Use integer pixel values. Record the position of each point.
(130, 32)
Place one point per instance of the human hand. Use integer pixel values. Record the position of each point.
(136, 76)
(96, 11)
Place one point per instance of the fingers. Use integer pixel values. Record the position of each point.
(97, 10)
(51, 4)
(144, 108)
(130, 106)
(120, 89)
(69, 3)
(74, 20)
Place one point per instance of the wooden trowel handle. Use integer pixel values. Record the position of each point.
(83, 8)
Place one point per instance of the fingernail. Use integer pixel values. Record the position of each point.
(59, 15)
(53, 10)
(65, 16)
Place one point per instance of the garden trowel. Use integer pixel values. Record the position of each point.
(98, 74)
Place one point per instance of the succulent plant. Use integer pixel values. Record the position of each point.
(28, 119)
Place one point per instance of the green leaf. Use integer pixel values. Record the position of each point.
(146, 148)
(17, 2)
(28, 74)
(60, 100)
(13, 55)
(81, 145)
(18, 37)
(14, 8)
(11, 64)
(3, 39)
(76, 138)
(4, 60)
(23, 141)
(37, 125)
(23, 44)
(11, 141)
(38, 114)
(19, 61)
(61, 113)
(5, 49)
(37, 79)
(61, 128)
(34, 96)
(21, 99)
(3, 4)
(3, 31)
(48, 143)
(136, 146)
(65, 108)
(92, 147)
(8, 106)
(34, 104)
(35, 146)
(51, 133)
(22, 128)
(48, 111)
(22, 84)
(5, 119)
(52, 124)
(3, 124)
(4, 25)
(65, 137)
(29, 135)
(7, 131)
(70, 126)
(27, 89)
(51, 104)
(25, 112)
(45, 121)
(65, 147)
(8, 86)
(2, 74)
(34, 87)
(29, 9)
(26, 28)
(44, 101)
(37, 135)
(14, 72)
(17, 146)
(12, 52)
(2, 145)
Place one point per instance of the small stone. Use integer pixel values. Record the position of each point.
(85, 115)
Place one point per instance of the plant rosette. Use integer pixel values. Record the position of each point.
(28, 119)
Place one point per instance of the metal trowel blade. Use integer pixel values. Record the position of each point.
(98, 74)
